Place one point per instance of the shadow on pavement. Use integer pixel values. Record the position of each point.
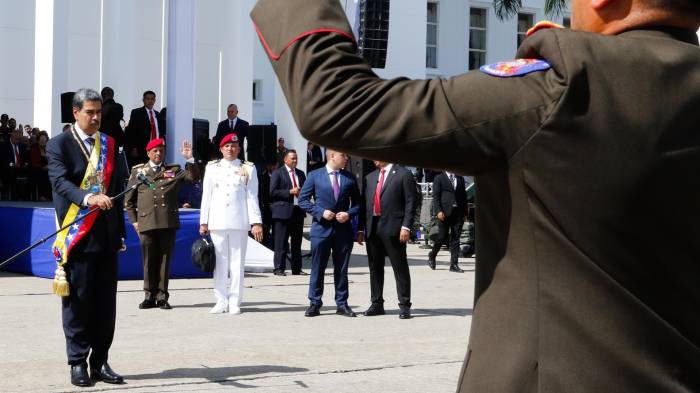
(215, 374)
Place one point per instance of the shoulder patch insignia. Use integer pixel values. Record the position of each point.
(518, 67)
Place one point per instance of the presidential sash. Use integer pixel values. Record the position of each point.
(96, 180)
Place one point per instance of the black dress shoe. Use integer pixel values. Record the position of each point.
(345, 311)
(164, 305)
(106, 374)
(278, 273)
(147, 304)
(313, 311)
(300, 273)
(431, 260)
(405, 313)
(79, 375)
(455, 268)
(375, 309)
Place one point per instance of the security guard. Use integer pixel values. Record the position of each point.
(586, 150)
(229, 210)
(153, 211)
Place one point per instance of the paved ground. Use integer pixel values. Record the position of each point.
(271, 347)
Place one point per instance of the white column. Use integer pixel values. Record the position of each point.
(50, 63)
(287, 127)
(180, 76)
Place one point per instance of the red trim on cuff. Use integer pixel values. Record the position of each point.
(276, 57)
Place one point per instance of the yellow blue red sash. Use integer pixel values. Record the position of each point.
(101, 162)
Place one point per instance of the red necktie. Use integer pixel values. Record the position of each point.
(294, 178)
(154, 133)
(377, 194)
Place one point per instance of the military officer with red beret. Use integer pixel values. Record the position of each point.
(153, 211)
(229, 210)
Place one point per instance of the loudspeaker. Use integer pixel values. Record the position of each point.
(373, 31)
(360, 167)
(262, 142)
(201, 145)
(67, 107)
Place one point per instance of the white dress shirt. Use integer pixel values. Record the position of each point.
(292, 180)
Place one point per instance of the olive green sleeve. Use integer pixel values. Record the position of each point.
(470, 124)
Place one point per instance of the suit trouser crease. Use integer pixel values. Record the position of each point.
(449, 232)
(378, 248)
(157, 247)
(321, 248)
(89, 311)
(286, 230)
(230, 247)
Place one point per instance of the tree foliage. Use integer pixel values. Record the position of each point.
(508, 8)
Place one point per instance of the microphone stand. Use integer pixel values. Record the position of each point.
(142, 180)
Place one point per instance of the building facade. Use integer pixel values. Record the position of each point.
(201, 55)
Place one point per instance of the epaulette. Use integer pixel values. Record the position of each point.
(137, 166)
(248, 163)
(173, 166)
(213, 162)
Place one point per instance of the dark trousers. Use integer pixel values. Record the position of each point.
(89, 310)
(320, 251)
(284, 230)
(448, 233)
(379, 247)
(157, 247)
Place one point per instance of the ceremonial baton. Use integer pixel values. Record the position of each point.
(140, 177)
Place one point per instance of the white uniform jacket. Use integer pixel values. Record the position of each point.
(230, 196)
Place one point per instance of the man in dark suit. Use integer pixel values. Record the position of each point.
(112, 115)
(586, 277)
(89, 251)
(153, 211)
(314, 157)
(232, 124)
(336, 201)
(288, 217)
(144, 126)
(450, 206)
(15, 160)
(389, 208)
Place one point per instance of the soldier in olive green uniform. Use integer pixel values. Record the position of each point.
(153, 211)
(586, 153)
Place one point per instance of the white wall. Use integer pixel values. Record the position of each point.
(17, 46)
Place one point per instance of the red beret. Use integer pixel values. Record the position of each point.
(230, 138)
(155, 143)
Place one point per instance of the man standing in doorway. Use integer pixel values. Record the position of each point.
(144, 126)
(232, 124)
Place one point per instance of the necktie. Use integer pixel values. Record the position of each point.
(154, 133)
(230, 124)
(91, 143)
(294, 178)
(336, 185)
(452, 180)
(18, 159)
(377, 194)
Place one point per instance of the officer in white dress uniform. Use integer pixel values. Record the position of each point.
(229, 209)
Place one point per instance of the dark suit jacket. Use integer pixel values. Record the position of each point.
(282, 203)
(138, 131)
(318, 187)
(112, 114)
(446, 198)
(67, 166)
(7, 154)
(241, 130)
(587, 189)
(314, 155)
(397, 202)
